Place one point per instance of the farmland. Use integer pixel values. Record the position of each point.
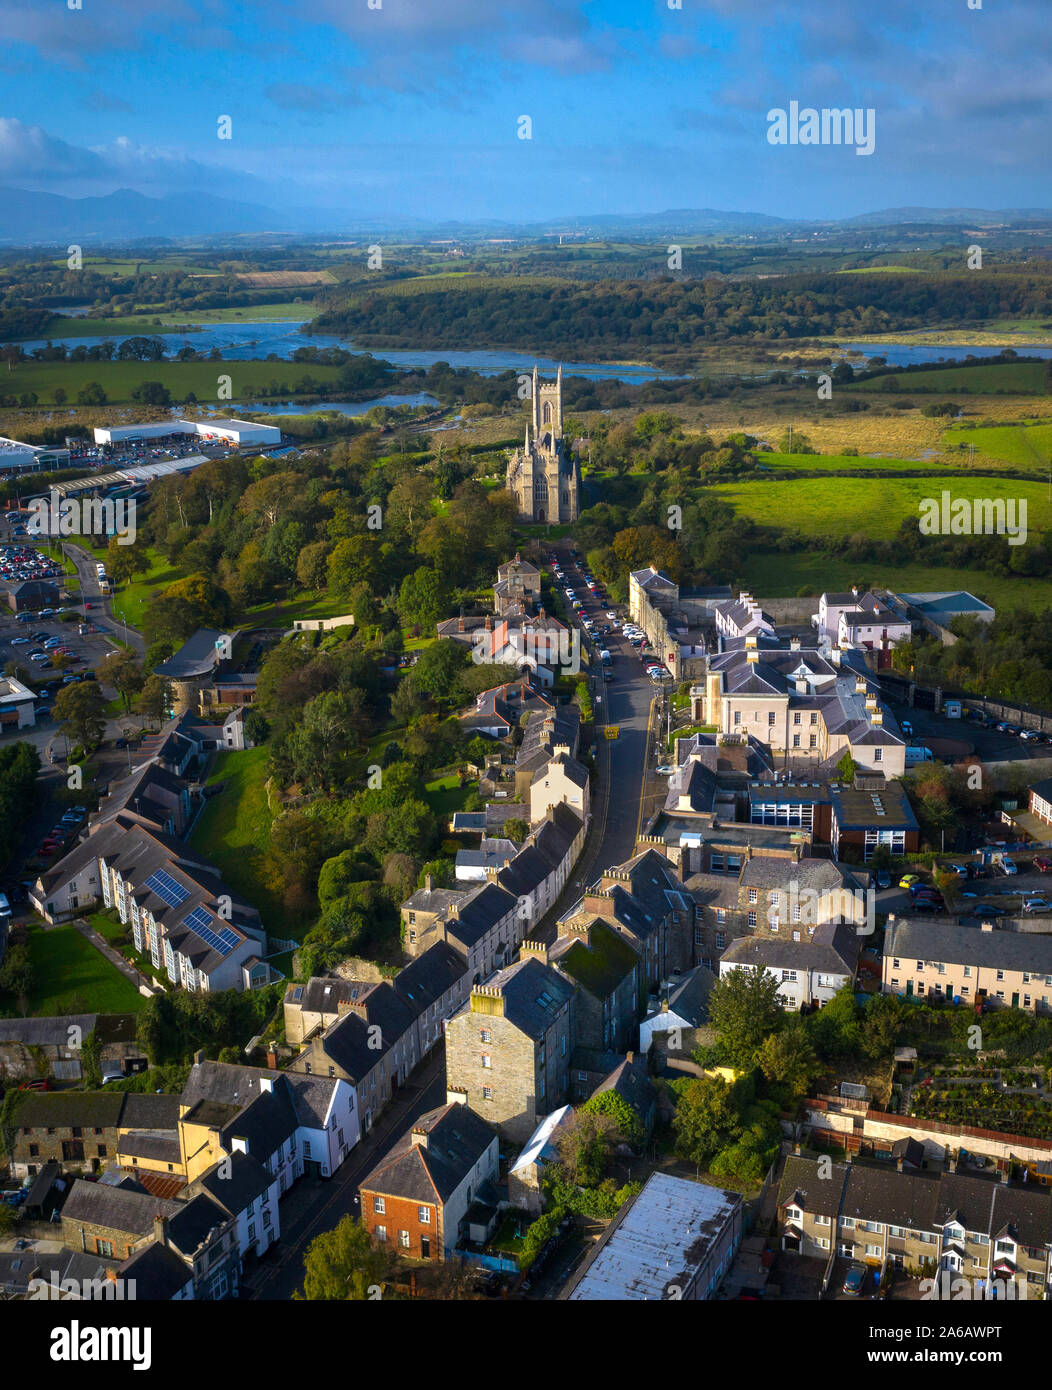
(876, 507)
(1016, 378)
(119, 379)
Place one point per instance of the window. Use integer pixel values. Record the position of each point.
(34, 1150)
(796, 717)
(770, 717)
(423, 1215)
(487, 1093)
(873, 1251)
(251, 1233)
(752, 919)
(753, 895)
(822, 1242)
(721, 940)
(403, 1239)
(812, 742)
(378, 1205)
(380, 1232)
(1000, 974)
(878, 755)
(821, 1220)
(737, 716)
(796, 740)
(487, 1060)
(484, 1036)
(102, 1151)
(104, 1248)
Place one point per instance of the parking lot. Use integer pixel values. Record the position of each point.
(39, 646)
(989, 744)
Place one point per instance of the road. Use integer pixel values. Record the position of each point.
(102, 614)
(315, 1205)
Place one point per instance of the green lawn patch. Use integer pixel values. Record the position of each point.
(118, 379)
(1022, 446)
(445, 794)
(234, 832)
(1008, 378)
(71, 976)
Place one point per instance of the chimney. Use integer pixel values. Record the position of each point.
(877, 718)
(199, 1055)
(860, 685)
(854, 590)
(456, 1095)
(794, 645)
(266, 1084)
(797, 1149)
(899, 1162)
(461, 624)
(418, 1137)
(630, 1057)
(489, 622)
(537, 949)
(429, 883)
(160, 1229)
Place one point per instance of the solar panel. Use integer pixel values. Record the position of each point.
(166, 888)
(200, 922)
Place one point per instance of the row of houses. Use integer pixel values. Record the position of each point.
(971, 1224)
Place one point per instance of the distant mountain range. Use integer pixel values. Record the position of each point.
(30, 218)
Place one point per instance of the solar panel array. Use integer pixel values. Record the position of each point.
(167, 889)
(200, 921)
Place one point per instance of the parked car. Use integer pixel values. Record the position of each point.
(1042, 864)
(1036, 905)
(988, 910)
(908, 880)
(882, 878)
(961, 870)
(1008, 865)
(855, 1281)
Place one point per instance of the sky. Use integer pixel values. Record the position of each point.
(412, 108)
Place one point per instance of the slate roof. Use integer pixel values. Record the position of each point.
(116, 1208)
(193, 1223)
(481, 912)
(526, 986)
(456, 1139)
(689, 996)
(801, 1186)
(833, 949)
(631, 1082)
(1000, 950)
(599, 966)
(235, 1182)
(157, 1272)
(427, 978)
(198, 656)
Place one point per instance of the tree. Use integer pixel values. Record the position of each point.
(846, 768)
(345, 1265)
(91, 393)
(155, 698)
(585, 1145)
(124, 672)
(706, 1119)
(79, 711)
(788, 1058)
(438, 670)
(516, 830)
(59, 395)
(744, 1008)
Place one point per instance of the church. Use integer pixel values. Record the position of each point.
(543, 476)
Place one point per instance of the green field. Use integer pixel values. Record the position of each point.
(824, 463)
(234, 832)
(71, 976)
(159, 321)
(770, 575)
(883, 270)
(876, 507)
(118, 379)
(1009, 378)
(445, 795)
(1022, 446)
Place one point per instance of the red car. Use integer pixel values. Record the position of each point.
(1041, 864)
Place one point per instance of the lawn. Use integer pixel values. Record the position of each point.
(875, 507)
(823, 463)
(445, 795)
(118, 379)
(71, 976)
(61, 328)
(234, 832)
(129, 603)
(770, 575)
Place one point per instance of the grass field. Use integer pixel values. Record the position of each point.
(234, 832)
(883, 270)
(129, 603)
(445, 795)
(71, 976)
(118, 379)
(1017, 378)
(824, 463)
(876, 507)
(1022, 446)
(770, 575)
(63, 327)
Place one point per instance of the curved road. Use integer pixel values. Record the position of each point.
(102, 615)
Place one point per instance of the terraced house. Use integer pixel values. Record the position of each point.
(922, 959)
(968, 1224)
(645, 903)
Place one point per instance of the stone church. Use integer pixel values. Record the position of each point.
(543, 475)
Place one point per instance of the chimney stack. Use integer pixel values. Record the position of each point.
(429, 883)
(160, 1229)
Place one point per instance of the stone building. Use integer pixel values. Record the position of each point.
(543, 476)
(508, 1050)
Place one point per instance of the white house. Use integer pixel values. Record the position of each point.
(808, 972)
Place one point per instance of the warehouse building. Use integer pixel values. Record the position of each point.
(16, 457)
(236, 432)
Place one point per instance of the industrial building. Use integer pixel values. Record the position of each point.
(16, 457)
(237, 432)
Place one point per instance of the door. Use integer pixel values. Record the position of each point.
(1015, 1000)
(909, 988)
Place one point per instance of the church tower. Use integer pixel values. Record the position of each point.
(543, 476)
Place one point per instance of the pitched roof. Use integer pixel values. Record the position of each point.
(235, 1182)
(116, 1208)
(833, 948)
(534, 995)
(939, 941)
(449, 1142)
(157, 1273)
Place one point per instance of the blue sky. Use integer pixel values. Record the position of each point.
(411, 108)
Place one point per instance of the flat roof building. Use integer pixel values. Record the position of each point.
(675, 1240)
